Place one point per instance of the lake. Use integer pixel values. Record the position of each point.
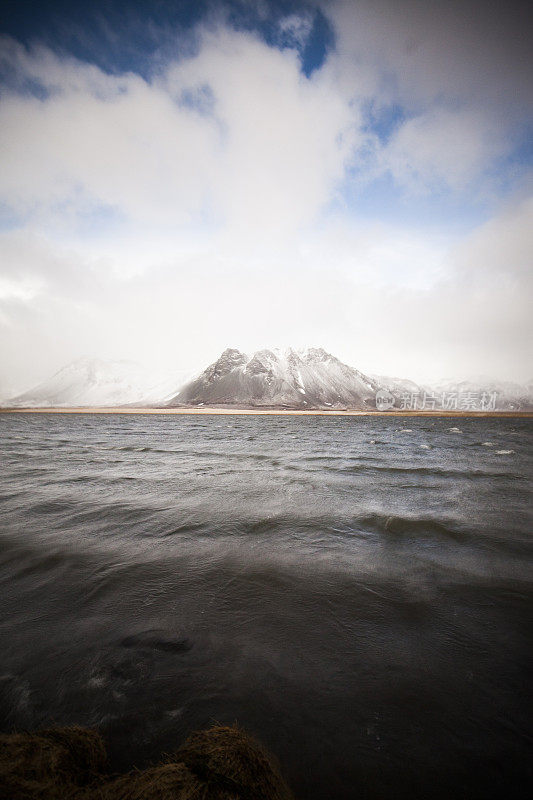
(354, 591)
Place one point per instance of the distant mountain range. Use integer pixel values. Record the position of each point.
(95, 382)
(291, 379)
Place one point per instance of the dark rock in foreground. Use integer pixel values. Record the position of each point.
(217, 764)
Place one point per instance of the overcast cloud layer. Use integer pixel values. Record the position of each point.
(378, 205)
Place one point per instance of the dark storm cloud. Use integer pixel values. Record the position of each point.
(472, 49)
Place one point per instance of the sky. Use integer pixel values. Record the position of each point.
(182, 177)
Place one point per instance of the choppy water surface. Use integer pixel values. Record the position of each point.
(354, 591)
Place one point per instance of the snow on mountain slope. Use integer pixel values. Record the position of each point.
(313, 378)
(309, 378)
(305, 379)
(504, 395)
(396, 385)
(476, 394)
(94, 382)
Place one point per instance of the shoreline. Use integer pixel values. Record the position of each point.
(208, 410)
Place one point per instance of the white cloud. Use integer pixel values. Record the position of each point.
(503, 246)
(166, 220)
(265, 161)
(295, 29)
(458, 72)
(285, 139)
(442, 148)
(133, 150)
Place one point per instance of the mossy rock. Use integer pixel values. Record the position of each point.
(222, 763)
(52, 763)
(228, 761)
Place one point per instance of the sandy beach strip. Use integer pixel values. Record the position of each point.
(205, 410)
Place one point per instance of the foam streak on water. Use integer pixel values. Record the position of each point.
(355, 592)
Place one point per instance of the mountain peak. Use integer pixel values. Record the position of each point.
(316, 354)
(307, 378)
(229, 360)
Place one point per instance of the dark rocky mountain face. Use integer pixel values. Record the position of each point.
(310, 378)
(229, 360)
(315, 379)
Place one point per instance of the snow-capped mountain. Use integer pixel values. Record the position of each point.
(309, 378)
(476, 394)
(94, 382)
(299, 379)
(502, 395)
